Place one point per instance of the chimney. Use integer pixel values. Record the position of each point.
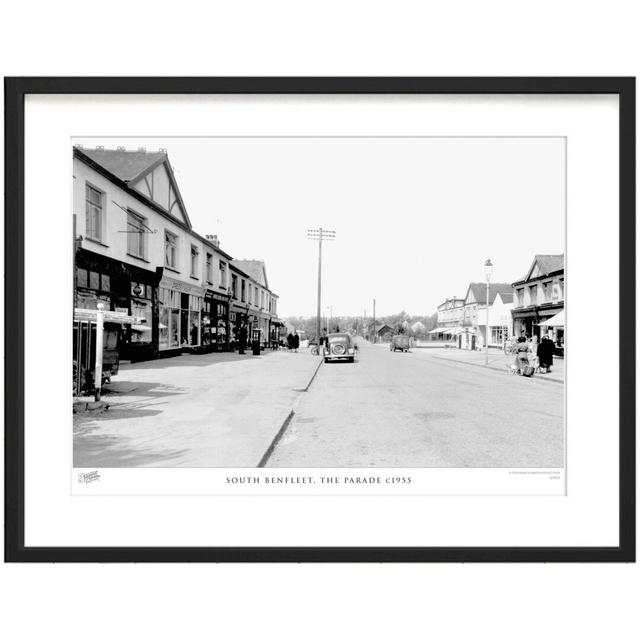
(213, 239)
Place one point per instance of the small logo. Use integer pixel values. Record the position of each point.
(87, 478)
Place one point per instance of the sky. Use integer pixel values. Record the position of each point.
(415, 218)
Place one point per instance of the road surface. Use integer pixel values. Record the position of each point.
(415, 410)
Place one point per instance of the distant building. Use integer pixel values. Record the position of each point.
(538, 305)
(379, 332)
(498, 319)
(475, 301)
(450, 313)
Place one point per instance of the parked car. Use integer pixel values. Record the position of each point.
(399, 342)
(339, 346)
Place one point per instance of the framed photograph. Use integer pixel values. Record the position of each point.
(320, 319)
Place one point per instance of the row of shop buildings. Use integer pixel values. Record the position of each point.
(530, 306)
(137, 255)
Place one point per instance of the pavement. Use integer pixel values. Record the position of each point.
(419, 409)
(499, 361)
(213, 410)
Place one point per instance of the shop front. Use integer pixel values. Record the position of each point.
(531, 322)
(239, 320)
(125, 289)
(215, 334)
(180, 306)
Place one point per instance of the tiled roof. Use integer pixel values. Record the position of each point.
(507, 296)
(550, 263)
(479, 290)
(253, 268)
(125, 165)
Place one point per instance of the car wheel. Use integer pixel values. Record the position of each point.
(326, 359)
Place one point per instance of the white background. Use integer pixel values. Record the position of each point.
(372, 38)
(587, 516)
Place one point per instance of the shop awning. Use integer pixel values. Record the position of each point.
(555, 321)
(140, 327)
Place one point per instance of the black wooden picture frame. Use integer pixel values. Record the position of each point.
(15, 91)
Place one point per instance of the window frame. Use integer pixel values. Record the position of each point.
(89, 185)
(174, 237)
(142, 239)
(194, 253)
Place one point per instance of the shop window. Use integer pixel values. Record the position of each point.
(170, 250)
(94, 280)
(136, 226)
(105, 282)
(141, 328)
(93, 209)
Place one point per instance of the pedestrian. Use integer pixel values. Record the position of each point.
(546, 353)
(522, 354)
(242, 339)
(290, 341)
(296, 342)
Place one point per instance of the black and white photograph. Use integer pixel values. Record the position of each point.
(319, 302)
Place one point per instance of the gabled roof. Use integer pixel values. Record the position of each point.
(546, 264)
(131, 167)
(254, 268)
(507, 297)
(126, 165)
(479, 290)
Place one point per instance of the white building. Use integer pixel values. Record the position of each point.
(136, 251)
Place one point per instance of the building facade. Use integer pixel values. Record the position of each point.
(473, 334)
(538, 299)
(450, 313)
(136, 251)
(495, 325)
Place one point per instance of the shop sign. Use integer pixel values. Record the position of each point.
(184, 287)
(137, 290)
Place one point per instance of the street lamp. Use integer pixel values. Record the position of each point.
(488, 268)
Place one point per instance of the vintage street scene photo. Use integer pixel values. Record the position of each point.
(318, 302)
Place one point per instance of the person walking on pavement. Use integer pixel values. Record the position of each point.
(290, 342)
(545, 351)
(296, 342)
(522, 354)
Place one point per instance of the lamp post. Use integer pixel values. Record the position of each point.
(97, 377)
(488, 268)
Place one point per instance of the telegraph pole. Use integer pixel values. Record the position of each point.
(320, 235)
(375, 334)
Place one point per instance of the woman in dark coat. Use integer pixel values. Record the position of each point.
(545, 353)
(290, 341)
(296, 342)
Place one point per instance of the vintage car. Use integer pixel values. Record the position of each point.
(339, 346)
(399, 343)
